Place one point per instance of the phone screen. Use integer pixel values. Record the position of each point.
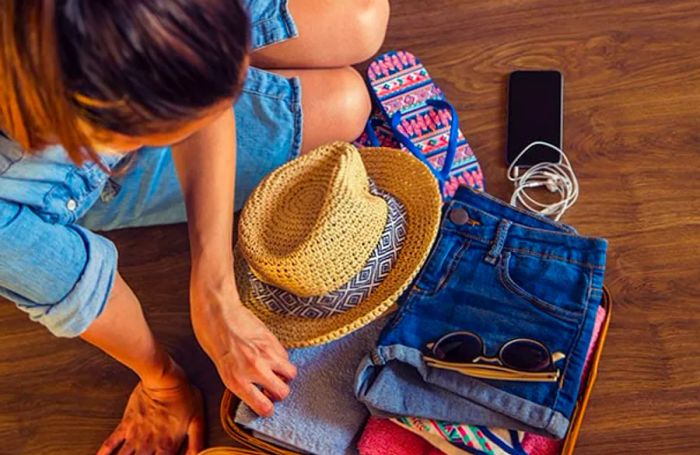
(535, 109)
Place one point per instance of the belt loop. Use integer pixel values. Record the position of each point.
(376, 358)
(498, 241)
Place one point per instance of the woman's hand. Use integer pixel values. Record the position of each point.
(157, 419)
(246, 354)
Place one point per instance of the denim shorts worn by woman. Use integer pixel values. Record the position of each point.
(502, 275)
(52, 264)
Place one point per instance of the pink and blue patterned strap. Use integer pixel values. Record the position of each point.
(440, 174)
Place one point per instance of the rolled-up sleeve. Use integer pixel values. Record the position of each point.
(61, 275)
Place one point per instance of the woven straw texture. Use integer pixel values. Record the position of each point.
(378, 265)
(412, 183)
(314, 210)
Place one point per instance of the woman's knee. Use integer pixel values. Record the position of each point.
(336, 105)
(369, 20)
(354, 104)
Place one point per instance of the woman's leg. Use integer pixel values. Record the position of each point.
(332, 33)
(163, 408)
(335, 102)
(335, 105)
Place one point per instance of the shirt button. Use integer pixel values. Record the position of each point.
(71, 204)
(459, 216)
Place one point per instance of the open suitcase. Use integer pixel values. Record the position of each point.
(249, 445)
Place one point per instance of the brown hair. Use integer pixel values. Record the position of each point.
(134, 68)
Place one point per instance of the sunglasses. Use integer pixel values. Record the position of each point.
(518, 359)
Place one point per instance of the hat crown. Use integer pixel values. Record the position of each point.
(311, 225)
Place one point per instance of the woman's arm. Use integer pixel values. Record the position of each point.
(244, 351)
(206, 165)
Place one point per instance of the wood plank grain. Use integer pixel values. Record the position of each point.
(632, 130)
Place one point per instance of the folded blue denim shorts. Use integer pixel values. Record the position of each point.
(502, 274)
(269, 133)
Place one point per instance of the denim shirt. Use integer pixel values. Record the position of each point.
(61, 273)
(52, 268)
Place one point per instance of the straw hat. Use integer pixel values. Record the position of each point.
(329, 241)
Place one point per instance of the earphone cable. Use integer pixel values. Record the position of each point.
(556, 177)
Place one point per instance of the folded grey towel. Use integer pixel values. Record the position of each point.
(321, 414)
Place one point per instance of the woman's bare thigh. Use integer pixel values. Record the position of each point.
(332, 33)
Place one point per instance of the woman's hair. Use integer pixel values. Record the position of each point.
(135, 67)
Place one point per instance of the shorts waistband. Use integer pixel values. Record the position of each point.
(504, 227)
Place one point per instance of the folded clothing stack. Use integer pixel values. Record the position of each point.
(409, 436)
(502, 290)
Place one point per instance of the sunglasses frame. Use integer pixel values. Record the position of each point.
(499, 357)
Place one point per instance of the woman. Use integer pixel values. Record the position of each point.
(91, 96)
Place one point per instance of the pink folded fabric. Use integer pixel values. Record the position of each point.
(383, 437)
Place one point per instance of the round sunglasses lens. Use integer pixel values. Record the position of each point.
(526, 356)
(458, 348)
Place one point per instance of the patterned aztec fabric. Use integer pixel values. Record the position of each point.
(358, 288)
(378, 126)
(400, 83)
(456, 438)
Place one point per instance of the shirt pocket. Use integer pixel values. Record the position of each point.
(554, 286)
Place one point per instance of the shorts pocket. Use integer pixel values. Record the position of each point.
(448, 251)
(555, 287)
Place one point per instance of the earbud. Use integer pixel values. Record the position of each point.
(552, 186)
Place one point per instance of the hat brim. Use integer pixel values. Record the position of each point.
(412, 183)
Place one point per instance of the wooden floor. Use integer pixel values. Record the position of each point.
(632, 130)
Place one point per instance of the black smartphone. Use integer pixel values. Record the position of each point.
(535, 113)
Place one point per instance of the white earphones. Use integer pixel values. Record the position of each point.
(556, 177)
